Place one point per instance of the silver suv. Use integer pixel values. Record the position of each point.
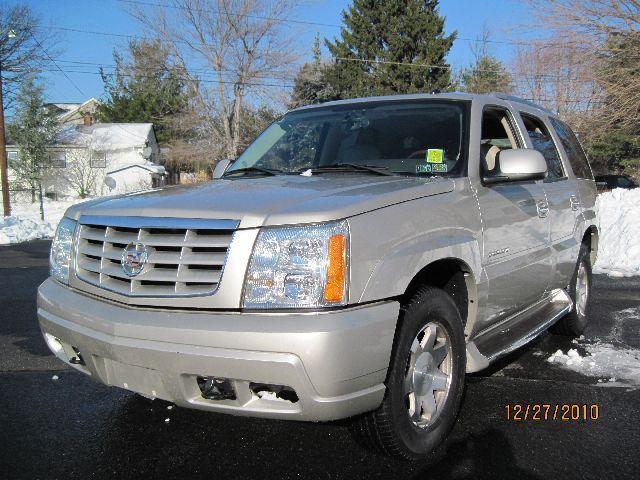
(355, 261)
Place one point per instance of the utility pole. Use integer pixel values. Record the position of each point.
(4, 171)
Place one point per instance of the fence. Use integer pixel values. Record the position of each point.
(21, 195)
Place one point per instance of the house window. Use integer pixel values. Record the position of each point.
(98, 160)
(12, 157)
(58, 159)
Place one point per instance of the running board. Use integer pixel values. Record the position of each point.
(516, 331)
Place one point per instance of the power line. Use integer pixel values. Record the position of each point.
(528, 42)
(58, 67)
(243, 15)
(296, 21)
(230, 82)
(84, 95)
(260, 84)
(196, 71)
(210, 74)
(351, 59)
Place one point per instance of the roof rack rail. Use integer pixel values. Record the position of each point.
(506, 96)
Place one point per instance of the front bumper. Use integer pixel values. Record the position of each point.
(336, 361)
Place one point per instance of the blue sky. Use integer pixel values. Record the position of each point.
(468, 17)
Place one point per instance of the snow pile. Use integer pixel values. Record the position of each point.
(19, 229)
(570, 359)
(609, 359)
(619, 229)
(25, 224)
(603, 360)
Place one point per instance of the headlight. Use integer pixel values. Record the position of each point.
(60, 257)
(304, 266)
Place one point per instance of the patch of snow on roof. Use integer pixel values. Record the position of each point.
(107, 136)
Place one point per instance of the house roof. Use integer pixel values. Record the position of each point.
(107, 136)
(149, 166)
(73, 108)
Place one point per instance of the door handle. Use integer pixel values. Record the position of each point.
(575, 203)
(543, 209)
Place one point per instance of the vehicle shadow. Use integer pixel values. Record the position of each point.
(197, 444)
(487, 454)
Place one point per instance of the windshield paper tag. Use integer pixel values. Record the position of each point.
(423, 168)
(435, 155)
(439, 168)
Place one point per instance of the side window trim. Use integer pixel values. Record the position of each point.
(515, 132)
(515, 127)
(554, 140)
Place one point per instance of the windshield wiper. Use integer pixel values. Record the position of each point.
(266, 171)
(378, 170)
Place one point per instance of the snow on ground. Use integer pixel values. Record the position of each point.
(25, 224)
(610, 362)
(619, 229)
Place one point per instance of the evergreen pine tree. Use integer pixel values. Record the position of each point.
(383, 45)
(487, 75)
(310, 84)
(33, 130)
(147, 87)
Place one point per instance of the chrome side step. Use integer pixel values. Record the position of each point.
(516, 331)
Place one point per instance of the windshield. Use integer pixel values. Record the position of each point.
(411, 138)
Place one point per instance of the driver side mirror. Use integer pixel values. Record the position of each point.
(516, 165)
(221, 167)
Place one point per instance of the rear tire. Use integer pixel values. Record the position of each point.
(574, 323)
(424, 383)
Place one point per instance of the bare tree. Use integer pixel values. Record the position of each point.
(25, 47)
(604, 36)
(241, 42)
(79, 174)
(559, 76)
(486, 73)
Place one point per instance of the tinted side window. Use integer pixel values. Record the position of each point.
(577, 158)
(543, 142)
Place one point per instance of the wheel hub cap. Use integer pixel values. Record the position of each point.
(428, 376)
(423, 373)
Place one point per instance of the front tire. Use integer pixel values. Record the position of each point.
(425, 380)
(574, 323)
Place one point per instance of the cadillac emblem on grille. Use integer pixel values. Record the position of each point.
(134, 257)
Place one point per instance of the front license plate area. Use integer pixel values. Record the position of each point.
(144, 381)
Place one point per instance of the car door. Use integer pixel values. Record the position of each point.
(515, 225)
(562, 196)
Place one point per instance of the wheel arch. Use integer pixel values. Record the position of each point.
(456, 278)
(590, 239)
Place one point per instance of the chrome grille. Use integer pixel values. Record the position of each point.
(186, 257)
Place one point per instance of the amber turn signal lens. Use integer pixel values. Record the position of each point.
(334, 288)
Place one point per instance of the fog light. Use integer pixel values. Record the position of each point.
(216, 388)
(53, 343)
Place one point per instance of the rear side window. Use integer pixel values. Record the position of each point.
(577, 157)
(543, 142)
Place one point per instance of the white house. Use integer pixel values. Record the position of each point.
(101, 159)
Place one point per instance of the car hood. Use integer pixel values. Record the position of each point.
(277, 200)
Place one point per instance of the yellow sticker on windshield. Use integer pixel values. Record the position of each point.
(435, 155)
